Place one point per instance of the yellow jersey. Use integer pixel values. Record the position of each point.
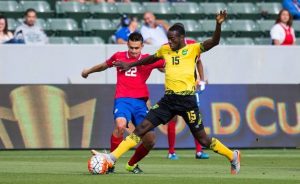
(180, 68)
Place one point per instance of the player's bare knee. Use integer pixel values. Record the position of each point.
(149, 140)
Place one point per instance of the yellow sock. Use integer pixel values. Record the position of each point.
(220, 148)
(129, 142)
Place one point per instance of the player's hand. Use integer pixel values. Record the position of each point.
(221, 17)
(85, 73)
(123, 66)
(201, 85)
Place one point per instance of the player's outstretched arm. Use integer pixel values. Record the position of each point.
(98, 68)
(210, 43)
(145, 61)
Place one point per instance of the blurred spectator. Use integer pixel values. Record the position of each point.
(293, 6)
(154, 31)
(29, 31)
(5, 35)
(282, 32)
(128, 26)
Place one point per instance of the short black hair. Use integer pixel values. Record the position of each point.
(6, 25)
(179, 27)
(136, 36)
(29, 10)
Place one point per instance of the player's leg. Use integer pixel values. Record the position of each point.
(118, 132)
(139, 113)
(171, 139)
(122, 116)
(160, 113)
(195, 124)
(200, 154)
(141, 152)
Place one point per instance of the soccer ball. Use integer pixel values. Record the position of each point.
(97, 164)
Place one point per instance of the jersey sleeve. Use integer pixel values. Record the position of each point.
(199, 47)
(110, 61)
(159, 52)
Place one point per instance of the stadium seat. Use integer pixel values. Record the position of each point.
(209, 26)
(161, 10)
(12, 24)
(265, 26)
(96, 24)
(133, 8)
(39, 6)
(262, 41)
(245, 28)
(72, 9)
(297, 41)
(188, 10)
(103, 10)
(89, 40)
(63, 27)
(42, 7)
(210, 9)
(239, 41)
(98, 27)
(189, 25)
(269, 10)
(60, 40)
(116, 23)
(11, 9)
(202, 39)
(296, 26)
(71, 6)
(9, 6)
(244, 10)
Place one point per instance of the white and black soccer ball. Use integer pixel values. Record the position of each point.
(97, 164)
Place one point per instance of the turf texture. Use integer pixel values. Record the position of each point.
(275, 166)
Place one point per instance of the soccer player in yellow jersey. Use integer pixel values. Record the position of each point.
(179, 98)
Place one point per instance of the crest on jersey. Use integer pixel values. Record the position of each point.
(184, 52)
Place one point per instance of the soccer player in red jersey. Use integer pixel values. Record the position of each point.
(131, 96)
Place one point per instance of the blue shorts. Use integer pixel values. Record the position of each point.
(132, 109)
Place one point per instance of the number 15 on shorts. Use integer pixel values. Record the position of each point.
(192, 116)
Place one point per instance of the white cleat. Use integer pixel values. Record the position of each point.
(94, 152)
(106, 156)
(236, 162)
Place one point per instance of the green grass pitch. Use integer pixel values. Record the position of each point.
(258, 166)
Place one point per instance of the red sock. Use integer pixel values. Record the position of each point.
(171, 136)
(139, 154)
(114, 142)
(198, 146)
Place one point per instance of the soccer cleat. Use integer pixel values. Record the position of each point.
(94, 152)
(172, 156)
(134, 169)
(108, 159)
(236, 162)
(202, 155)
(111, 170)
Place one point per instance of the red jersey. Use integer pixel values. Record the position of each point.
(132, 83)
